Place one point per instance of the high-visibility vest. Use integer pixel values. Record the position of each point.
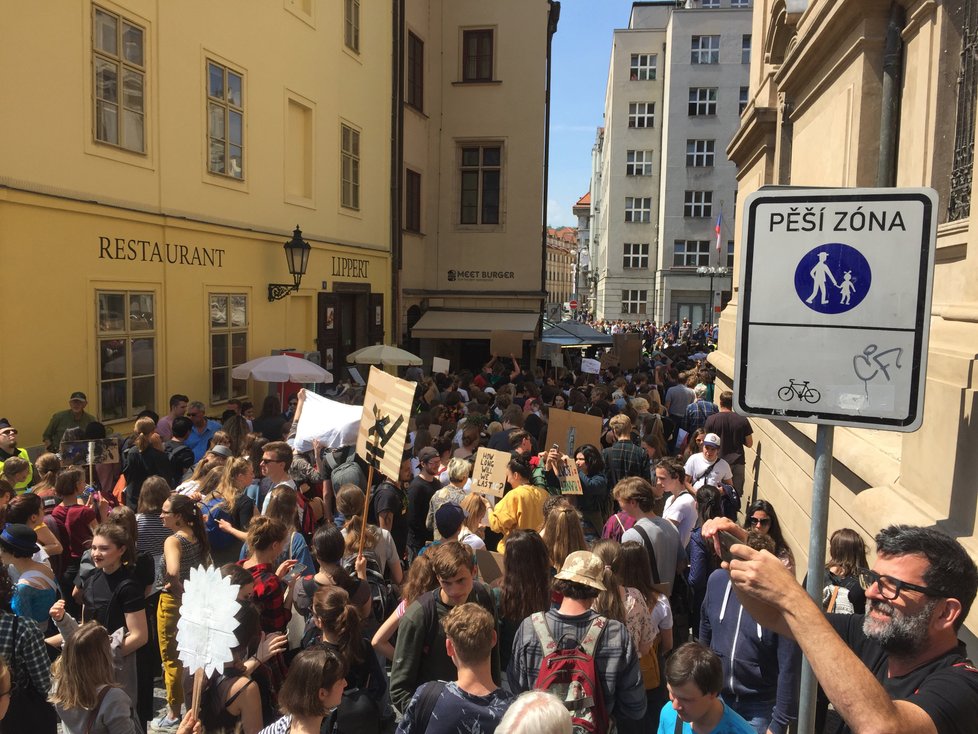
(21, 487)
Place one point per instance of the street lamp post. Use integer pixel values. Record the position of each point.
(711, 272)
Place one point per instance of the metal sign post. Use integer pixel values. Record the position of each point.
(832, 328)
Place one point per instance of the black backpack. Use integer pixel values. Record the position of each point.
(383, 594)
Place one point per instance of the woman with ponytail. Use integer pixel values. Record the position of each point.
(187, 548)
(329, 547)
(340, 626)
(144, 459)
(379, 542)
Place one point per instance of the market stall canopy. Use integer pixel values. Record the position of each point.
(281, 368)
(574, 334)
(473, 324)
(383, 354)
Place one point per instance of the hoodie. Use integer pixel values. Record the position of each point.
(758, 665)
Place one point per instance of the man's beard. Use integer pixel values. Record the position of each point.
(900, 634)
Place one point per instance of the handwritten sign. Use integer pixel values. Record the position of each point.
(629, 350)
(440, 364)
(590, 366)
(609, 359)
(384, 421)
(491, 565)
(570, 481)
(569, 430)
(489, 472)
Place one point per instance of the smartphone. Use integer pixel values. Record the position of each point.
(727, 540)
(89, 491)
(555, 447)
(294, 572)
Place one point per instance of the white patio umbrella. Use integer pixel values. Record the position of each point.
(383, 354)
(281, 368)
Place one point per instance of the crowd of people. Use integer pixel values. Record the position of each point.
(369, 609)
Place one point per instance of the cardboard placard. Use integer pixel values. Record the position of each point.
(85, 453)
(440, 364)
(590, 366)
(569, 430)
(609, 359)
(384, 424)
(489, 472)
(491, 565)
(570, 481)
(506, 343)
(629, 350)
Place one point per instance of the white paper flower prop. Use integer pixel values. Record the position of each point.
(205, 630)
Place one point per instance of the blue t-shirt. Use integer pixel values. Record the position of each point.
(458, 712)
(731, 723)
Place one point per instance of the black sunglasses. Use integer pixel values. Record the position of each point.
(758, 521)
(890, 588)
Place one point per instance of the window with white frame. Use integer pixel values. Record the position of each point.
(739, 3)
(119, 80)
(481, 175)
(690, 253)
(638, 163)
(636, 256)
(705, 50)
(225, 120)
(698, 204)
(730, 254)
(638, 209)
(700, 153)
(745, 49)
(350, 173)
(351, 25)
(744, 99)
(229, 344)
(126, 336)
(641, 114)
(642, 67)
(702, 101)
(634, 301)
(710, 4)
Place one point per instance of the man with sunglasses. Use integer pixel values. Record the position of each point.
(9, 449)
(915, 676)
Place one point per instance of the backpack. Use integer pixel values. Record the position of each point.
(730, 500)
(569, 673)
(346, 471)
(835, 599)
(307, 523)
(383, 595)
(213, 510)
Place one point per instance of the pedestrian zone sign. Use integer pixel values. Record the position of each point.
(834, 312)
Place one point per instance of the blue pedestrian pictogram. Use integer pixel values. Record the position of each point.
(833, 278)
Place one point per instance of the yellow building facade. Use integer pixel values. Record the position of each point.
(816, 118)
(474, 151)
(153, 161)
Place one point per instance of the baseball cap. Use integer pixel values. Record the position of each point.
(489, 391)
(427, 454)
(4, 423)
(711, 439)
(78, 395)
(585, 568)
(448, 519)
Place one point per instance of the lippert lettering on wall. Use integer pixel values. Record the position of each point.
(148, 251)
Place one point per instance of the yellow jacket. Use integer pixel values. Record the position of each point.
(520, 509)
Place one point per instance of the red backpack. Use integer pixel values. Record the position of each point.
(569, 674)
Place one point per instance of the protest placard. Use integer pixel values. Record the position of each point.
(629, 350)
(384, 422)
(491, 565)
(489, 472)
(590, 366)
(332, 423)
(570, 482)
(440, 364)
(569, 430)
(87, 453)
(506, 343)
(609, 359)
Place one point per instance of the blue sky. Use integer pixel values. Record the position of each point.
(581, 53)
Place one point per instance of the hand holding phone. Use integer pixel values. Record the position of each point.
(293, 573)
(726, 540)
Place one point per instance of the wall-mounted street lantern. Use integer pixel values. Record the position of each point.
(297, 256)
